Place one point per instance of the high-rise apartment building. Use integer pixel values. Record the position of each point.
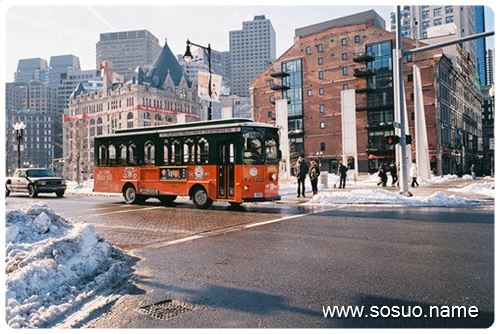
(490, 67)
(31, 69)
(252, 49)
(61, 64)
(426, 22)
(126, 50)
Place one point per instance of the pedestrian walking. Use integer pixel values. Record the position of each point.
(414, 175)
(473, 171)
(342, 171)
(313, 176)
(301, 171)
(394, 174)
(382, 174)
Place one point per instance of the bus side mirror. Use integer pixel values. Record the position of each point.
(279, 155)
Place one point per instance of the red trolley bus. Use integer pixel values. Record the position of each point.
(233, 160)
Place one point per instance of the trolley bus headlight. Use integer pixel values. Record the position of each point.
(245, 187)
(273, 176)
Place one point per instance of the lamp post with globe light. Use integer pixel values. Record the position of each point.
(19, 129)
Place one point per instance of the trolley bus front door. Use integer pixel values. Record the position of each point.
(225, 169)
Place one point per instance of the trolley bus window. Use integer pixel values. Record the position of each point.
(176, 152)
(271, 150)
(102, 155)
(111, 155)
(252, 147)
(202, 153)
(188, 151)
(165, 152)
(123, 155)
(132, 154)
(149, 153)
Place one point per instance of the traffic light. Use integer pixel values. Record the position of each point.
(391, 140)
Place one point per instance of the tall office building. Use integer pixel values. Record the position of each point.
(126, 50)
(59, 65)
(490, 67)
(480, 44)
(428, 22)
(252, 49)
(31, 69)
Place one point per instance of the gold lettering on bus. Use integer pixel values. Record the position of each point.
(104, 175)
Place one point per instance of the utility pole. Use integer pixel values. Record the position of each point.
(402, 124)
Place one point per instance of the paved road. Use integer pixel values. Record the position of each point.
(281, 274)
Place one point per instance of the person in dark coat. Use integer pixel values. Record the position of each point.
(394, 174)
(313, 176)
(342, 171)
(382, 174)
(301, 172)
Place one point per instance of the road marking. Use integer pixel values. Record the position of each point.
(223, 230)
(111, 213)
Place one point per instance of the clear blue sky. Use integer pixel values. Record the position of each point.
(55, 30)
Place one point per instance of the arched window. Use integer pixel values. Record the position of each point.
(165, 152)
(147, 115)
(149, 153)
(158, 117)
(123, 155)
(188, 151)
(202, 151)
(99, 126)
(92, 127)
(130, 120)
(111, 155)
(132, 154)
(175, 152)
(102, 156)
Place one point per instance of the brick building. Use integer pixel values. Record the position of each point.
(355, 52)
(160, 95)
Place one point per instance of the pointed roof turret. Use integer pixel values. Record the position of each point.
(78, 91)
(166, 63)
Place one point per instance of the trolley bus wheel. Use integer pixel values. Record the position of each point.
(130, 195)
(167, 199)
(201, 199)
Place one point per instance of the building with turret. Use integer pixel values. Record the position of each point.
(160, 94)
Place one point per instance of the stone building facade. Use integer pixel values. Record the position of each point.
(354, 52)
(160, 96)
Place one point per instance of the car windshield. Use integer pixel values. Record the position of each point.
(39, 173)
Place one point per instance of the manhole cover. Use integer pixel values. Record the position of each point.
(167, 309)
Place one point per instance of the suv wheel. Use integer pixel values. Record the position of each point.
(32, 191)
(59, 194)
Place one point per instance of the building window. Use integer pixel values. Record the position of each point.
(424, 35)
(425, 24)
(343, 42)
(320, 61)
(345, 87)
(410, 77)
(322, 146)
(321, 91)
(320, 47)
(357, 39)
(308, 50)
(345, 70)
(437, 11)
(309, 92)
(321, 75)
(438, 22)
(321, 125)
(448, 9)
(344, 55)
(449, 19)
(321, 108)
(425, 14)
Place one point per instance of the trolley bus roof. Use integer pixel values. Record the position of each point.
(185, 127)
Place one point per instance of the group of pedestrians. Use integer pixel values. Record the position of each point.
(302, 170)
(393, 171)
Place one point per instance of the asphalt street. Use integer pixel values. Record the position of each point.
(290, 263)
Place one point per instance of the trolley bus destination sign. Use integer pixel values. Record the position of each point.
(200, 132)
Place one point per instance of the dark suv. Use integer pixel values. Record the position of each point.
(35, 181)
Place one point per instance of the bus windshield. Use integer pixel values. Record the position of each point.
(260, 146)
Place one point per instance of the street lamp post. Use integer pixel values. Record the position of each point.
(188, 56)
(319, 155)
(19, 129)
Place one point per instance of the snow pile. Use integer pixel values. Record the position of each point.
(54, 268)
(467, 177)
(380, 196)
(83, 188)
(487, 189)
(438, 179)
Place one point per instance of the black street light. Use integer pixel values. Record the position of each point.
(319, 156)
(19, 128)
(188, 56)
